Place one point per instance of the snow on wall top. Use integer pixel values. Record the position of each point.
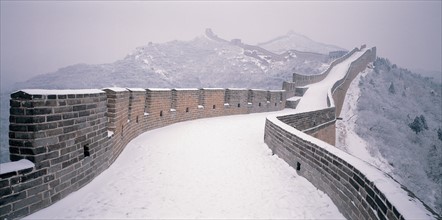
(186, 89)
(213, 88)
(136, 89)
(15, 166)
(159, 89)
(60, 92)
(116, 89)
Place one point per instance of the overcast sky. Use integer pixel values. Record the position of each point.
(39, 37)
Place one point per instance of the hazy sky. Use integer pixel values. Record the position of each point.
(39, 37)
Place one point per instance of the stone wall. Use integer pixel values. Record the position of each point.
(71, 136)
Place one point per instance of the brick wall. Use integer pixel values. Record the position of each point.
(65, 136)
(72, 136)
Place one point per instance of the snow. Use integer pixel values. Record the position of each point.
(213, 89)
(315, 97)
(136, 89)
(116, 89)
(60, 92)
(212, 168)
(186, 89)
(15, 166)
(173, 110)
(110, 133)
(238, 89)
(347, 139)
(158, 89)
(294, 98)
(200, 107)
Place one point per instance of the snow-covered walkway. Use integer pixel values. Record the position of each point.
(315, 97)
(207, 168)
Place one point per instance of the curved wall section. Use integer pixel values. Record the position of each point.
(62, 139)
(359, 190)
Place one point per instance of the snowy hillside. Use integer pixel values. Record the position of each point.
(295, 41)
(397, 116)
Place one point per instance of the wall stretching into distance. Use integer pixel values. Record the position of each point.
(300, 80)
(61, 140)
(359, 190)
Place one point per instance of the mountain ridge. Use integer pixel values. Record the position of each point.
(288, 41)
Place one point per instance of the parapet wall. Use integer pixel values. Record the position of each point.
(71, 136)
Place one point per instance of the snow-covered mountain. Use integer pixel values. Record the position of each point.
(205, 61)
(396, 116)
(299, 42)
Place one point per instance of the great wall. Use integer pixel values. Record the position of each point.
(61, 140)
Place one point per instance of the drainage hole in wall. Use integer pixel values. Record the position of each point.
(298, 166)
(86, 151)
